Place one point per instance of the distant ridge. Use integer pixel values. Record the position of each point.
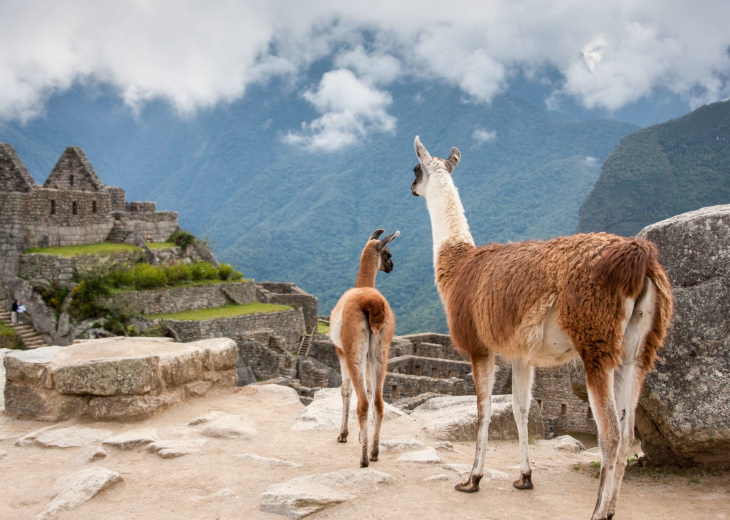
(662, 171)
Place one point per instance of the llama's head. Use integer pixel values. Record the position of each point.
(429, 167)
(376, 250)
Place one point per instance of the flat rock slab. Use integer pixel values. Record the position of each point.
(274, 394)
(401, 445)
(455, 418)
(71, 437)
(114, 378)
(169, 449)
(325, 411)
(305, 495)
(266, 461)
(75, 489)
(132, 439)
(427, 456)
(229, 427)
(465, 470)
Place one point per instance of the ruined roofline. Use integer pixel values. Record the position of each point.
(72, 163)
(14, 176)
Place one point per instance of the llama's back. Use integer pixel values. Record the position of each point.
(362, 310)
(502, 287)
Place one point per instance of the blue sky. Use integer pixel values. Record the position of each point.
(197, 54)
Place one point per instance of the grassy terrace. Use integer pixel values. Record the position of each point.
(226, 311)
(104, 248)
(5, 330)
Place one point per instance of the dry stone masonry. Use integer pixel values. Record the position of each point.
(114, 379)
(72, 207)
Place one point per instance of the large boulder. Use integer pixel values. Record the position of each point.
(114, 378)
(455, 418)
(683, 415)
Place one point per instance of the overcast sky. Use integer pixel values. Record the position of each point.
(198, 54)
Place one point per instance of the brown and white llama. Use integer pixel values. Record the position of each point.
(600, 297)
(361, 327)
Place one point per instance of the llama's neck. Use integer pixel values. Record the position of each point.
(449, 227)
(368, 271)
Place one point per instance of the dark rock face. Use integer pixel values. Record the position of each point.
(683, 415)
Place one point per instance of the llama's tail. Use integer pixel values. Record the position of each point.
(623, 265)
(662, 314)
(374, 308)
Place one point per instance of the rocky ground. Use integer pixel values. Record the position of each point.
(234, 452)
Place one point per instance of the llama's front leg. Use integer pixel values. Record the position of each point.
(601, 396)
(346, 390)
(483, 370)
(521, 397)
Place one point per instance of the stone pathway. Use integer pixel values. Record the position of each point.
(27, 334)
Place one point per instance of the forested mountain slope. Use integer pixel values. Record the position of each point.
(661, 171)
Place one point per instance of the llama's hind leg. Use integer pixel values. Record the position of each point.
(483, 370)
(377, 377)
(357, 368)
(521, 397)
(346, 391)
(601, 396)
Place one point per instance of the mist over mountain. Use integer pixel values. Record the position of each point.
(661, 171)
(278, 211)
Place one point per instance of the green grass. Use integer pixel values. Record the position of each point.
(161, 245)
(5, 330)
(226, 311)
(322, 328)
(104, 248)
(117, 290)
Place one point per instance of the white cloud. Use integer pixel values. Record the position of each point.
(351, 108)
(197, 54)
(482, 136)
(591, 161)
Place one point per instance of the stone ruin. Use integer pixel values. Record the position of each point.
(72, 207)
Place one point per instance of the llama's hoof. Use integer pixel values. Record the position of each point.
(524, 482)
(470, 486)
(373, 458)
(364, 463)
(342, 438)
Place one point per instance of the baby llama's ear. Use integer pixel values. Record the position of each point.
(423, 155)
(387, 240)
(453, 159)
(376, 234)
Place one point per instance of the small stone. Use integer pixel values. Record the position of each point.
(92, 454)
(567, 443)
(131, 439)
(71, 437)
(444, 446)
(266, 461)
(436, 478)
(427, 456)
(210, 416)
(168, 449)
(77, 488)
(401, 445)
(230, 427)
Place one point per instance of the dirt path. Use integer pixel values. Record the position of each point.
(216, 485)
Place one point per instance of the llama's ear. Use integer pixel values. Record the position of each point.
(421, 152)
(453, 159)
(387, 240)
(376, 234)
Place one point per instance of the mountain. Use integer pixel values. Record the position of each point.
(278, 212)
(661, 171)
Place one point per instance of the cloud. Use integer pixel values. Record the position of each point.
(482, 136)
(196, 54)
(351, 108)
(591, 161)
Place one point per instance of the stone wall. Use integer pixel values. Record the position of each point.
(429, 367)
(288, 324)
(553, 392)
(266, 354)
(286, 293)
(398, 386)
(176, 299)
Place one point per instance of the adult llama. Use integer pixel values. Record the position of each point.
(599, 297)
